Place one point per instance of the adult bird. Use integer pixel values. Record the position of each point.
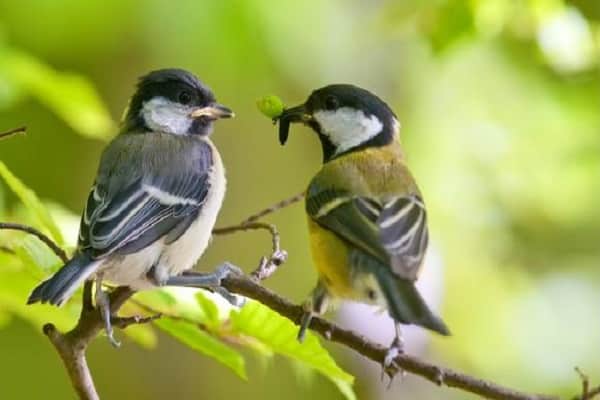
(155, 200)
(366, 216)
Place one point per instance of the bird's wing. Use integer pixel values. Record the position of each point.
(393, 231)
(147, 208)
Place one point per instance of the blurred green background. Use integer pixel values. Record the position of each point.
(499, 104)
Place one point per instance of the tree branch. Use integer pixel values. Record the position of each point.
(72, 345)
(12, 132)
(438, 375)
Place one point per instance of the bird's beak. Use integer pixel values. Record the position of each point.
(289, 115)
(213, 111)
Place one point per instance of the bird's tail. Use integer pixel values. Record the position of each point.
(406, 304)
(61, 286)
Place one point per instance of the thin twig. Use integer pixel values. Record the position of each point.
(267, 266)
(12, 132)
(247, 226)
(32, 231)
(585, 383)
(586, 392)
(592, 393)
(275, 207)
(124, 322)
(154, 312)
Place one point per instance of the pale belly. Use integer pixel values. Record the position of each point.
(172, 259)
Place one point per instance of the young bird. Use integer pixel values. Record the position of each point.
(155, 200)
(366, 217)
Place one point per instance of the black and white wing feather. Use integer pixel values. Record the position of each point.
(403, 231)
(142, 210)
(394, 231)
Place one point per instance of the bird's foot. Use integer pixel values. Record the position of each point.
(234, 300)
(389, 366)
(103, 305)
(211, 281)
(226, 269)
(314, 306)
(307, 316)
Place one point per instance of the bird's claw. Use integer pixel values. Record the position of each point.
(226, 269)
(390, 356)
(307, 316)
(103, 305)
(222, 272)
(389, 366)
(111, 339)
(212, 281)
(234, 300)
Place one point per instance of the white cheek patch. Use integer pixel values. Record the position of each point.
(163, 115)
(396, 127)
(347, 128)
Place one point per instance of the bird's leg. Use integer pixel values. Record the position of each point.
(103, 305)
(305, 320)
(209, 280)
(396, 348)
(315, 305)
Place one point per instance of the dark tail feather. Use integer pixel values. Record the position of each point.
(406, 304)
(59, 288)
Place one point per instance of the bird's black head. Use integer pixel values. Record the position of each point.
(173, 101)
(346, 118)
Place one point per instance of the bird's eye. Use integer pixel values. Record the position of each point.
(331, 103)
(185, 97)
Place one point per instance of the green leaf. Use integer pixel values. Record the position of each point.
(209, 308)
(181, 302)
(33, 252)
(32, 202)
(143, 335)
(72, 97)
(204, 343)
(15, 287)
(279, 333)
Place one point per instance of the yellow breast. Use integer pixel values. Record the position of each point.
(330, 256)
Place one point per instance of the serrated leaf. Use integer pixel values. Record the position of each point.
(72, 97)
(260, 322)
(32, 202)
(204, 343)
